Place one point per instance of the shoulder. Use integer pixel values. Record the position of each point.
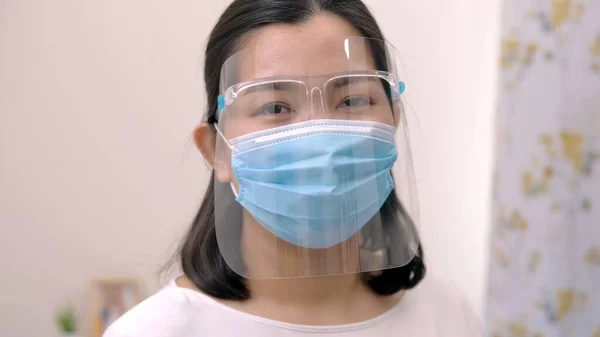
(165, 314)
(439, 300)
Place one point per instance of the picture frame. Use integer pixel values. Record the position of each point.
(109, 300)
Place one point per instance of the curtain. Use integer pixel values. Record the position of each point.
(544, 276)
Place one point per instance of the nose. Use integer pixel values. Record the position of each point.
(317, 104)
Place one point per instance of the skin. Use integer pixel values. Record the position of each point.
(325, 300)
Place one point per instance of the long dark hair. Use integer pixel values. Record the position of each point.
(201, 259)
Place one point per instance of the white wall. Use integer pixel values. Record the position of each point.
(97, 175)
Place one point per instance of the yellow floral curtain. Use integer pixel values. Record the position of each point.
(544, 277)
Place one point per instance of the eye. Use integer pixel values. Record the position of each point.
(355, 102)
(274, 109)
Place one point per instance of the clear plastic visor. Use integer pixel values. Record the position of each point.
(313, 167)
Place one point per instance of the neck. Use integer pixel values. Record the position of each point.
(316, 301)
(309, 292)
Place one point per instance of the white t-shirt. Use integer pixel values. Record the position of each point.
(432, 309)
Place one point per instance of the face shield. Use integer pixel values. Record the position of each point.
(313, 166)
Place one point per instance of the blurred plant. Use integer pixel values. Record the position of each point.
(67, 320)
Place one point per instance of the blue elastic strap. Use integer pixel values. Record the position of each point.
(220, 103)
(401, 87)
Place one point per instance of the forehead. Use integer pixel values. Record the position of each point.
(316, 47)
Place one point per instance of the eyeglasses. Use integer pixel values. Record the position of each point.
(341, 96)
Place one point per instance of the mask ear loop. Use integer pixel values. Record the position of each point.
(235, 193)
(222, 136)
(220, 107)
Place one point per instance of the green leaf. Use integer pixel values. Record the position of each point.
(67, 320)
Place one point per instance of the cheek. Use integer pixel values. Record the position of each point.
(398, 113)
(387, 116)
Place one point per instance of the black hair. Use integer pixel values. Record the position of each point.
(201, 259)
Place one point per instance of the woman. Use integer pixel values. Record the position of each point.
(303, 229)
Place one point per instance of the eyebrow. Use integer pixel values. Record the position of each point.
(274, 86)
(347, 80)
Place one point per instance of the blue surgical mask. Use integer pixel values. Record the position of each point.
(315, 184)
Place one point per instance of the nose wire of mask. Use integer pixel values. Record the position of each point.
(315, 112)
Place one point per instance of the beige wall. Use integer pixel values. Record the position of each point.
(97, 175)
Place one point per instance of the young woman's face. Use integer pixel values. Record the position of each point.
(312, 51)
